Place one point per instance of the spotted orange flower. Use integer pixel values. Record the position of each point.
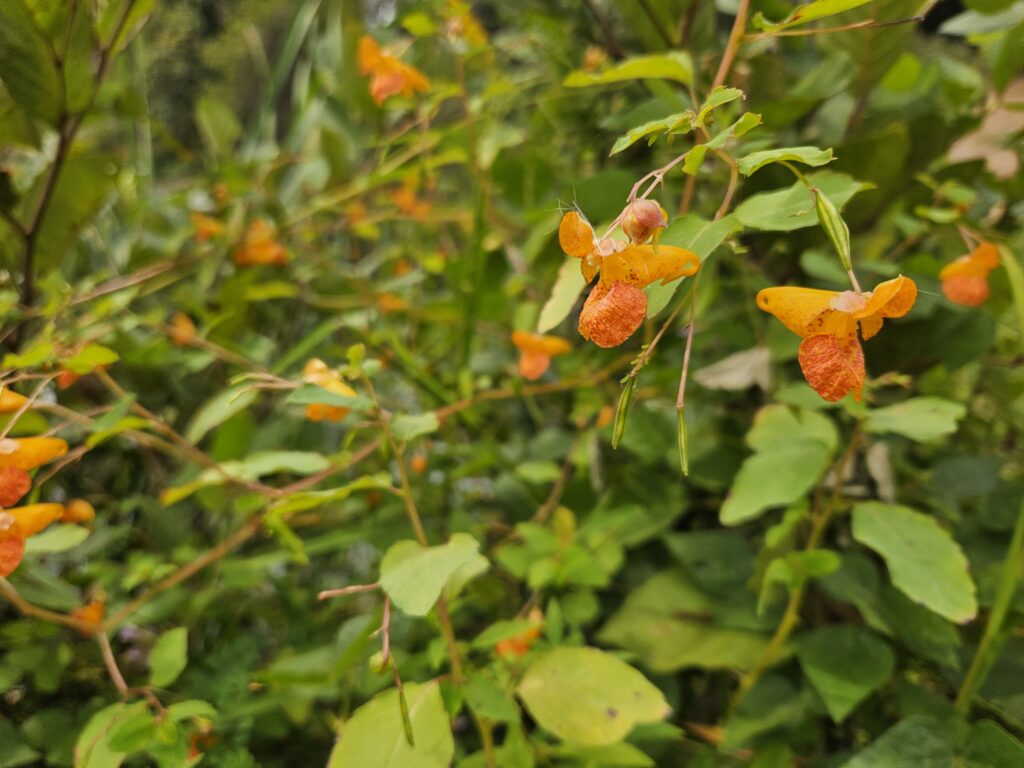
(317, 373)
(965, 281)
(14, 484)
(830, 355)
(260, 246)
(11, 401)
(206, 227)
(30, 452)
(389, 76)
(617, 304)
(536, 351)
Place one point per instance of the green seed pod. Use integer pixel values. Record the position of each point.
(625, 399)
(834, 226)
(684, 452)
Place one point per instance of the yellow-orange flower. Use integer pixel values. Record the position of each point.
(34, 518)
(182, 331)
(830, 355)
(617, 305)
(518, 645)
(965, 281)
(11, 401)
(405, 199)
(92, 613)
(317, 373)
(536, 351)
(259, 246)
(388, 76)
(30, 452)
(206, 227)
(78, 511)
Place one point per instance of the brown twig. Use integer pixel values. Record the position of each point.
(111, 664)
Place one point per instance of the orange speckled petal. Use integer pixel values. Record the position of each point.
(612, 315)
(31, 452)
(869, 326)
(533, 365)
(588, 267)
(966, 290)
(987, 255)
(641, 265)
(832, 367)
(33, 518)
(964, 266)
(12, 546)
(14, 484)
(575, 235)
(893, 298)
(796, 308)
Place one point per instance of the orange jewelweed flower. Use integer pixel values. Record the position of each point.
(965, 281)
(12, 545)
(182, 331)
(34, 518)
(536, 351)
(11, 401)
(206, 227)
(14, 484)
(518, 645)
(30, 452)
(66, 378)
(388, 76)
(78, 511)
(830, 355)
(617, 305)
(92, 613)
(259, 246)
(317, 373)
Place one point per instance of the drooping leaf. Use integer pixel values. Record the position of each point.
(920, 418)
(217, 410)
(408, 426)
(374, 737)
(28, 63)
(413, 576)
(793, 208)
(681, 122)
(925, 563)
(812, 156)
(589, 697)
(168, 657)
(806, 13)
(844, 664)
(669, 66)
(916, 741)
(774, 478)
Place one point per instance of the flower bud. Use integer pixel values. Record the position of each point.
(642, 218)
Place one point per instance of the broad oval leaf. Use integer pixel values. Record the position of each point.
(845, 664)
(413, 576)
(669, 66)
(812, 156)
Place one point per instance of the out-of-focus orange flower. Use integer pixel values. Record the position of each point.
(965, 281)
(405, 199)
(34, 518)
(402, 267)
(536, 351)
(91, 614)
(221, 193)
(594, 58)
(14, 484)
(356, 212)
(30, 452)
(604, 416)
(317, 373)
(517, 646)
(206, 227)
(390, 302)
(259, 246)
(418, 463)
(463, 26)
(388, 76)
(182, 331)
(830, 355)
(66, 378)
(617, 305)
(12, 545)
(78, 511)
(11, 401)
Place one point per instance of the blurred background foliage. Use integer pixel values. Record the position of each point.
(403, 243)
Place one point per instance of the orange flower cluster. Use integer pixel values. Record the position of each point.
(965, 281)
(536, 351)
(517, 645)
(206, 227)
(260, 246)
(830, 355)
(617, 305)
(388, 76)
(318, 374)
(17, 458)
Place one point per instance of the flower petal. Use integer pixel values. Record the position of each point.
(966, 290)
(833, 367)
(10, 401)
(533, 365)
(641, 265)
(797, 308)
(575, 235)
(893, 298)
(987, 255)
(14, 484)
(31, 452)
(612, 315)
(550, 346)
(33, 518)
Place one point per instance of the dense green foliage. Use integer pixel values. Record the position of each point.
(201, 200)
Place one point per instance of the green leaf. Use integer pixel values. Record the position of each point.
(746, 123)
(117, 412)
(193, 708)
(811, 156)
(564, 294)
(806, 13)
(671, 625)
(56, 538)
(305, 500)
(586, 696)
(680, 122)
(920, 418)
(311, 393)
(92, 748)
(721, 95)
(31, 357)
(795, 569)
(407, 426)
(925, 563)
(695, 159)
(975, 23)
(989, 746)
(774, 478)
(83, 185)
(776, 424)
(28, 64)
(844, 664)
(916, 741)
(669, 66)
(413, 576)
(89, 358)
(219, 409)
(374, 737)
(792, 208)
(168, 657)
(218, 126)
(695, 234)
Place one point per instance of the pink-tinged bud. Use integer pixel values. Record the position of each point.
(641, 219)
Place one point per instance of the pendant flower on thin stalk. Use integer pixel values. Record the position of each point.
(389, 76)
(965, 281)
(830, 355)
(536, 351)
(617, 304)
